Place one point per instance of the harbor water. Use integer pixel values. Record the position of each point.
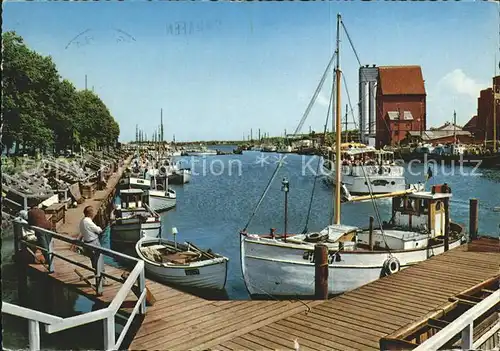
(217, 204)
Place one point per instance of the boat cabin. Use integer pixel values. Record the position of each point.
(132, 199)
(423, 211)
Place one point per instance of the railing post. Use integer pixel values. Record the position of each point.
(50, 253)
(468, 337)
(25, 203)
(18, 233)
(99, 270)
(142, 287)
(473, 211)
(34, 335)
(109, 333)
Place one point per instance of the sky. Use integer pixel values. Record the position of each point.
(219, 69)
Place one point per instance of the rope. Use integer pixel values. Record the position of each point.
(265, 192)
(316, 93)
(319, 161)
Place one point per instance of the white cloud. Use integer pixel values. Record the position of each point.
(323, 100)
(458, 82)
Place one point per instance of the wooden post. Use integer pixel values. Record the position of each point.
(370, 235)
(34, 335)
(446, 224)
(473, 218)
(321, 271)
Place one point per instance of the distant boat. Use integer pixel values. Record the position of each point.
(201, 151)
(182, 264)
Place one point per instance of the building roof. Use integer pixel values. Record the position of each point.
(438, 134)
(401, 80)
(472, 123)
(394, 115)
(448, 126)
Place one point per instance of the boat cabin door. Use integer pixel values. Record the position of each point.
(439, 218)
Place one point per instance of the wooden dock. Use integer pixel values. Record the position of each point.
(352, 321)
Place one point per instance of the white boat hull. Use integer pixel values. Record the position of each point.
(272, 269)
(161, 203)
(201, 153)
(209, 274)
(129, 231)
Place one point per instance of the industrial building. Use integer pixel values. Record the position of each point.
(481, 125)
(392, 101)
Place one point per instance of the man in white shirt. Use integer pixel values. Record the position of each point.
(90, 233)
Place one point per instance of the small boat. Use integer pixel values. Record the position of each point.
(183, 265)
(180, 176)
(162, 200)
(160, 197)
(134, 218)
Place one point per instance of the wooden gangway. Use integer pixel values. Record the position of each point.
(355, 320)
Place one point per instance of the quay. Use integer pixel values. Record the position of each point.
(393, 313)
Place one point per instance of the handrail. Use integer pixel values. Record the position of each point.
(463, 324)
(55, 324)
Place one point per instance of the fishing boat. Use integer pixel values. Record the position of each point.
(160, 197)
(183, 265)
(133, 218)
(359, 162)
(419, 227)
(180, 176)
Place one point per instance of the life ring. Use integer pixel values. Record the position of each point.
(314, 237)
(391, 266)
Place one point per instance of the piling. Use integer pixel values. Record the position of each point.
(446, 224)
(370, 231)
(321, 271)
(473, 218)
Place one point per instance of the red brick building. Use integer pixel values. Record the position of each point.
(481, 126)
(401, 103)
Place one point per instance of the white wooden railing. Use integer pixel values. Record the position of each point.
(464, 325)
(54, 324)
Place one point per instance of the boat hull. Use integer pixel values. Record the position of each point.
(180, 177)
(130, 231)
(210, 274)
(277, 270)
(161, 203)
(378, 184)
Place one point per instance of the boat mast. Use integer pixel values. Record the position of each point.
(338, 132)
(454, 126)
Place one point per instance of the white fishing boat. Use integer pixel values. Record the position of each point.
(419, 227)
(366, 170)
(133, 218)
(160, 197)
(284, 149)
(282, 265)
(182, 264)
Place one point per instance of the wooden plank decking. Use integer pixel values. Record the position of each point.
(353, 321)
(358, 319)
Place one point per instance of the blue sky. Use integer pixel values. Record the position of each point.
(220, 69)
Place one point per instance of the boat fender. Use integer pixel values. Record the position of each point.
(391, 266)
